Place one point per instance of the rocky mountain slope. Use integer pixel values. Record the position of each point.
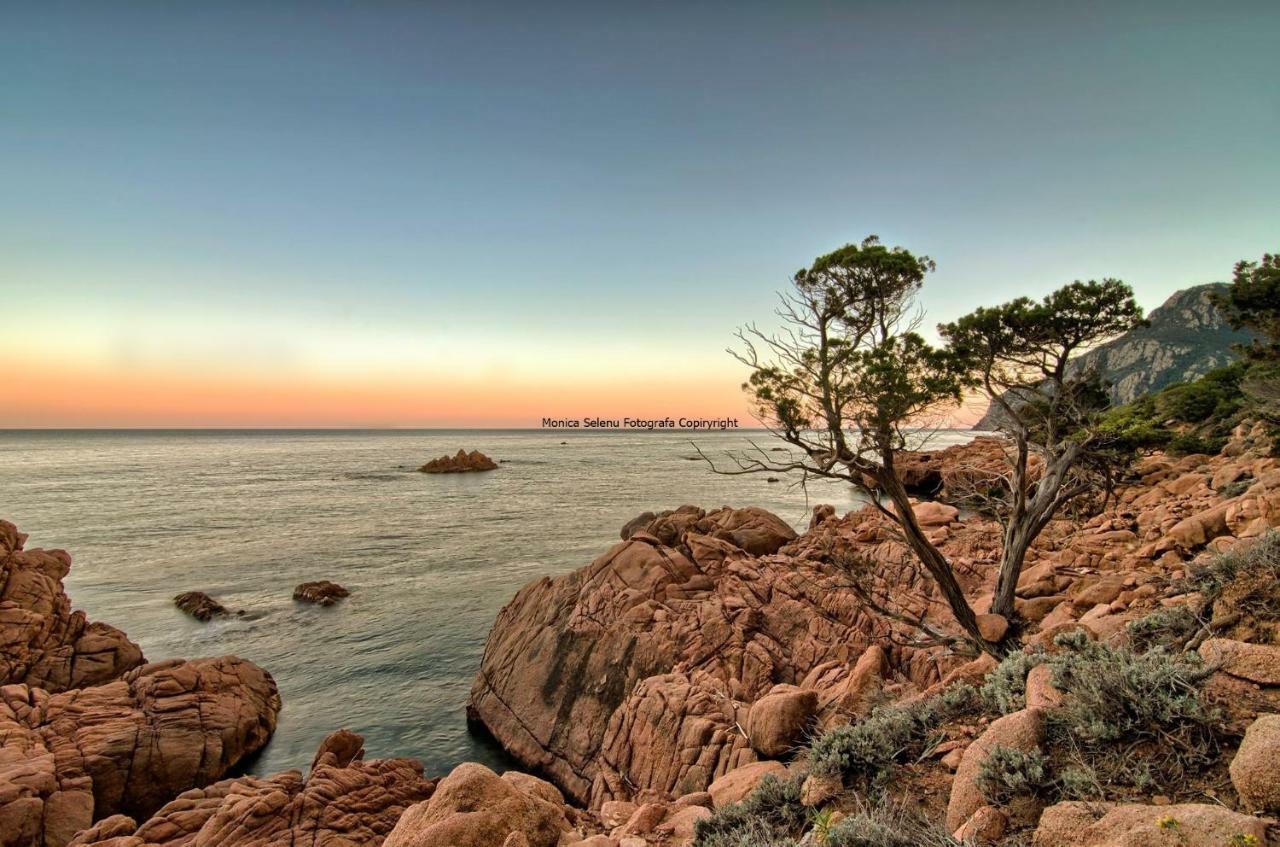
(1187, 337)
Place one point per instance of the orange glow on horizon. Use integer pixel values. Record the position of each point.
(69, 397)
(52, 396)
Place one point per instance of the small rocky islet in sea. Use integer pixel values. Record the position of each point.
(321, 592)
(200, 606)
(460, 462)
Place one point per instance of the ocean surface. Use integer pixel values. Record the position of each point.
(430, 559)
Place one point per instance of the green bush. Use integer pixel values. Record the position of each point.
(1131, 717)
(1193, 443)
(1213, 397)
(1211, 404)
(1135, 427)
(1170, 628)
(865, 752)
(885, 826)
(1007, 773)
(1005, 688)
(1257, 564)
(878, 825)
(1119, 695)
(773, 811)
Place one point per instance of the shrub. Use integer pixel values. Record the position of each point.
(1170, 628)
(1117, 694)
(865, 752)
(1193, 443)
(1235, 489)
(772, 812)
(1135, 426)
(887, 826)
(1132, 717)
(1005, 688)
(1256, 563)
(1007, 773)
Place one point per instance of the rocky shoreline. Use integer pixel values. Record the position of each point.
(683, 669)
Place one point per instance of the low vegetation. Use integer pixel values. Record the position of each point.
(864, 754)
(1190, 417)
(774, 818)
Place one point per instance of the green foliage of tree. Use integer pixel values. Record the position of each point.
(1253, 302)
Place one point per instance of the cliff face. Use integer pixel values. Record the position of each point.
(1187, 338)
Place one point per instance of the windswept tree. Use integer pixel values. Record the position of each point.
(1020, 355)
(850, 383)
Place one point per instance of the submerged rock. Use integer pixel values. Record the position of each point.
(322, 592)
(460, 462)
(199, 605)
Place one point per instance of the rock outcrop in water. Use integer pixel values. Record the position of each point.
(460, 462)
(88, 730)
(200, 606)
(321, 593)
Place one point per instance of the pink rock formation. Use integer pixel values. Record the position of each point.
(125, 746)
(631, 677)
(474, 807)
(344, 801)
(43, 643)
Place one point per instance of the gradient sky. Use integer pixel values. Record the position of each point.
(438, 214)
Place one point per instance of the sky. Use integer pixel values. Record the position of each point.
(483, 214)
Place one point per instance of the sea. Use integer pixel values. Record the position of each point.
(429, 559)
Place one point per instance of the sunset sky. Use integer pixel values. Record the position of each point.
(447, 214)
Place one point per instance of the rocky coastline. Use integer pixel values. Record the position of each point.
(691, 664)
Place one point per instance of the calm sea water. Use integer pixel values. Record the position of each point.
(429, 559)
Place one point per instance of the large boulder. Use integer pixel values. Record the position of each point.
(1076, 824)
(779, 720)
(1253, 770)
(1257, 663)
(344, 802)
(735, 785)
(674, 735)
(474, 807)
(43, 643)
